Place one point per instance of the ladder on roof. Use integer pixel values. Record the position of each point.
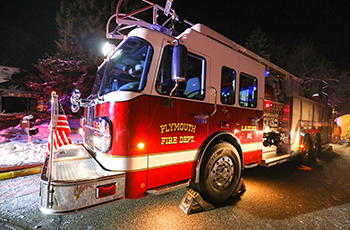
(126, 22)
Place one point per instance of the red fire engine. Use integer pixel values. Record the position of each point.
(170, 110)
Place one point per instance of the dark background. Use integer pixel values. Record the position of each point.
(324, 23)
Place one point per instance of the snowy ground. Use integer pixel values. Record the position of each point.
(16, 151)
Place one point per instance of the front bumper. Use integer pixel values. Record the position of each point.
(77, 179)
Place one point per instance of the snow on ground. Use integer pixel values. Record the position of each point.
(16, 151)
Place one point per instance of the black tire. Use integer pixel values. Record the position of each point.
(307, 152)
(317, 147)
(220, 173)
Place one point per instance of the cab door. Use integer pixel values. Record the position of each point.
(237, 112)
(177, 123)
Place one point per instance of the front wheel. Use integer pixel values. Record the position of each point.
(220, 173)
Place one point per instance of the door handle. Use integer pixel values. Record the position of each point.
(215, 105)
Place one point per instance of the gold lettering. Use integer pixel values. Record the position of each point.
(166, 129)
(248, 128)
(193, 129)
(176, 126)
(185, 127)
(162, 140)
(173, 127)
(192, 139)
(190, 127)
(181, 126)
(168, 140)
(175, 140)
(186, 139)
(162, 127)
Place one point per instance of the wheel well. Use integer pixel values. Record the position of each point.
(212, 140)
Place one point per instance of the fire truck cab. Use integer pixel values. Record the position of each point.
(170, 111)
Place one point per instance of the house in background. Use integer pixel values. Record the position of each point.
(7, 72)
(16, 97)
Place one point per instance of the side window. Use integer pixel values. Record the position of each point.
(248, 90)
(228, 85)
(193, 88)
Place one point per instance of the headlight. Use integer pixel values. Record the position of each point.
(102, 134)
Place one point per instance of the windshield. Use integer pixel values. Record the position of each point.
(126, 69)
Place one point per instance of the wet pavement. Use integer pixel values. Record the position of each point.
(287, 196)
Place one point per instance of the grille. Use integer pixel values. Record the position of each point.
(88, 129)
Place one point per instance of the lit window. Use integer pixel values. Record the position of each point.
(248, 90)
(228, 85)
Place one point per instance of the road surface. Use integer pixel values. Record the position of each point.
(287, 196)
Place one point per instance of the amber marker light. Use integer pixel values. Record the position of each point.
(141, 145)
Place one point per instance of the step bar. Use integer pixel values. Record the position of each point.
(277, 159)
(168, 188)
(78, 183)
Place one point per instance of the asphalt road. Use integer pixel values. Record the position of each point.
(287, 196)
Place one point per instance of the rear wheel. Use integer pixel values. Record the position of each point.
(317, 147)
(220, 173)
(307, 152)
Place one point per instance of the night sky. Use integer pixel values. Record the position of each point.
(35, 18)
(324, 23)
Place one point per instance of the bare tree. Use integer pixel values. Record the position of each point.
(81, 27)
(307, 62)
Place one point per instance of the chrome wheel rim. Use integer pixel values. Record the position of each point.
(222, 172)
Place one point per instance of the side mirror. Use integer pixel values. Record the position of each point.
(75, 101)
(179, 63)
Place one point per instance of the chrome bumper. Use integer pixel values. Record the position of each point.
(78, 183)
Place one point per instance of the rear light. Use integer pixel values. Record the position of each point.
(106, 190)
